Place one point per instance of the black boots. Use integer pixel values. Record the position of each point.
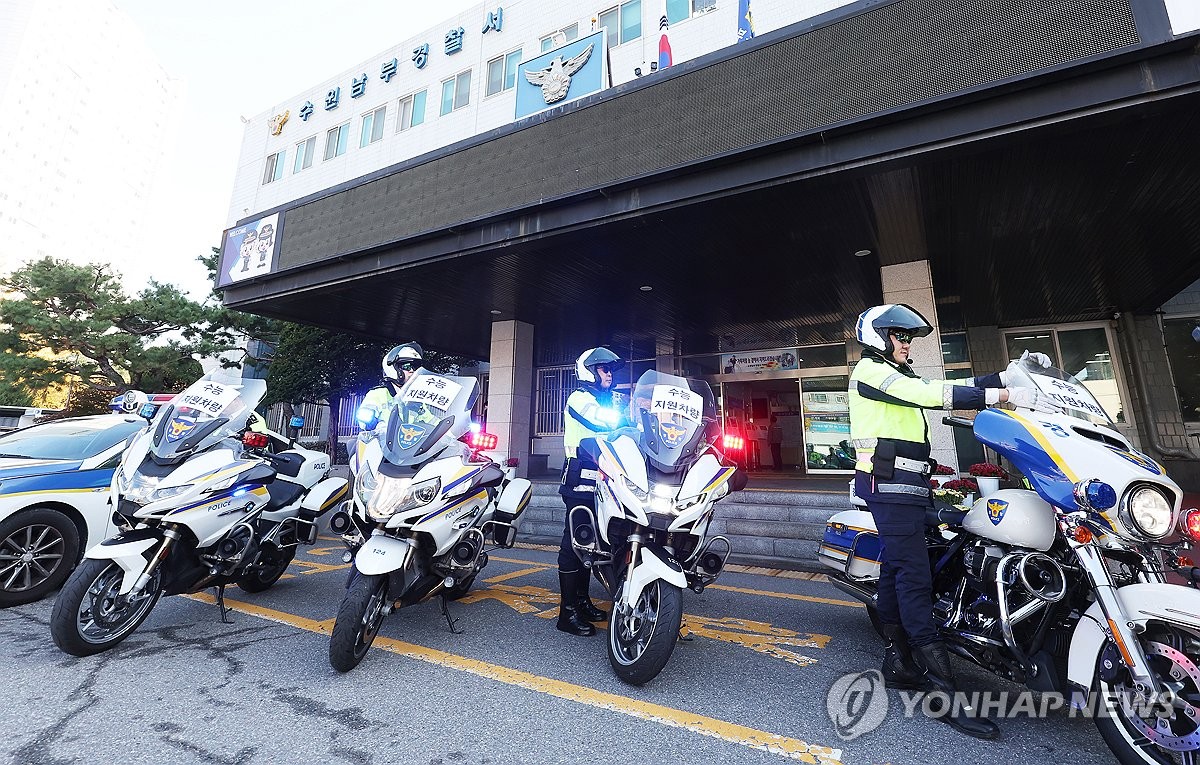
(583, 601)
(899, 671)
(936, 662)
(571, 618)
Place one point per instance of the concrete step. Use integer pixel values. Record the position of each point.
(780, 529)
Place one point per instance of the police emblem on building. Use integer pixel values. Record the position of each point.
(278, 121)
(555, 80)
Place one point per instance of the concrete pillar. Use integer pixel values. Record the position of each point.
(911, 284)
(510, 391)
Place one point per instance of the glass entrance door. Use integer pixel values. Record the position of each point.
(826, 418)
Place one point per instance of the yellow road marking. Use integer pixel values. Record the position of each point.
(515, 574)
(320, 568)
(326, 550)
(792, 748)
(788, 596)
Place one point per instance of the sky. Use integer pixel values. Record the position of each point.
(236, 59)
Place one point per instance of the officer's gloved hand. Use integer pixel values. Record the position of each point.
(1032, 398)
(1040, 359)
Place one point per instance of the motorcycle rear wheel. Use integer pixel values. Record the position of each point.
(641, 639)
(358, 621)
(90, 615)
(263, 578)
(1174, 654)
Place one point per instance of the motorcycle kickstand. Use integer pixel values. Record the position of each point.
(221, 605)
(449, 619)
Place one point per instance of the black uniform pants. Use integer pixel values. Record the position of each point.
(905, 582)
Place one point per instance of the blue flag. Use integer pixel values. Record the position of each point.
(745, 21)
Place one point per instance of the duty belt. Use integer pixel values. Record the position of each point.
(913, 466)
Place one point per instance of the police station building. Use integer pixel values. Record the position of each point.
(721, 193)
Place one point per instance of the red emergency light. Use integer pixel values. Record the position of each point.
(481, 441)
(733, 443)
(254, 440)
(1191, 523)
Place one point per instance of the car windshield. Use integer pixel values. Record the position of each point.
(72, 439)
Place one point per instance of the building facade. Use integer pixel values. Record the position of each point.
(526, 181)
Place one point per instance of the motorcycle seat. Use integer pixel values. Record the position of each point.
(283, 493)
(943, 513)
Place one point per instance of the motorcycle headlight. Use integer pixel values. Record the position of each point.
(386, 497)
(423, 493)
(641, 495)
(690, 502)
(364, 485)
(1147, 512)
(144, 489)
(170, 491)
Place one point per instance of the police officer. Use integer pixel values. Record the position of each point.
(891, 440)
(590, 413)
(399, 366)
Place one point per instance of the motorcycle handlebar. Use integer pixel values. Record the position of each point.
(958, 422)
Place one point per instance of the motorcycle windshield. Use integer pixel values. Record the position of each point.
(671, 413)
(212, 408)
(1063, 389)
(429, 411)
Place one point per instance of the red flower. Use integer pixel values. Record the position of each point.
(965, 485)
(944, 470)
(933, 484)
(986, 470)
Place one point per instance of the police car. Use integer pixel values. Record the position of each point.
(54, 481)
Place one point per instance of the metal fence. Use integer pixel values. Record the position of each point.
(554, 385)
(315, 418)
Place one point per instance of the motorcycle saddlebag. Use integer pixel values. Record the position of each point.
(851, 544)
(512, 503)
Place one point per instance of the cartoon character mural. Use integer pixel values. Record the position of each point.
(241, 245)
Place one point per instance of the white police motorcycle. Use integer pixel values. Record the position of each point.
(426, 502)
(658, 484)
(1062, 586)
(201, 502)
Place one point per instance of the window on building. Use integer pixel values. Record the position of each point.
(412, 111)
(1085, 352)
(502, 73)
(624, 22)
(304, 154)
(1184, 354)
(678, 10)
(335, 141)
(372, 126)
(273, 170)
(456, 92)
(560, 37)
(954, 350)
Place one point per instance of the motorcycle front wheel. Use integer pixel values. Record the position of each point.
(642, 636)
(90, 615)
(358, 621)
(1165, 731)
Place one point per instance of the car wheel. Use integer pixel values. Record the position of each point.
(38, 550)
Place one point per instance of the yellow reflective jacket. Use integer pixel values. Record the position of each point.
(886, 403)
(585, 417)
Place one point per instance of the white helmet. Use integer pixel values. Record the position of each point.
(408, 353)
(593, 357)
(874, 323)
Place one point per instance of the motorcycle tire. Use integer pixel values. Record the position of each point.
(50, 540)
(358, 621)
(640, 645)
(90, 596)
(1119, 731)
(262, 579)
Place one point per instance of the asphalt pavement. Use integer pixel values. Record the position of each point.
(748, 685)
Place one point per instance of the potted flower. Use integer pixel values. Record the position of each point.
(988, 476)
(949, 496)
(943, 470)
(964, 486)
